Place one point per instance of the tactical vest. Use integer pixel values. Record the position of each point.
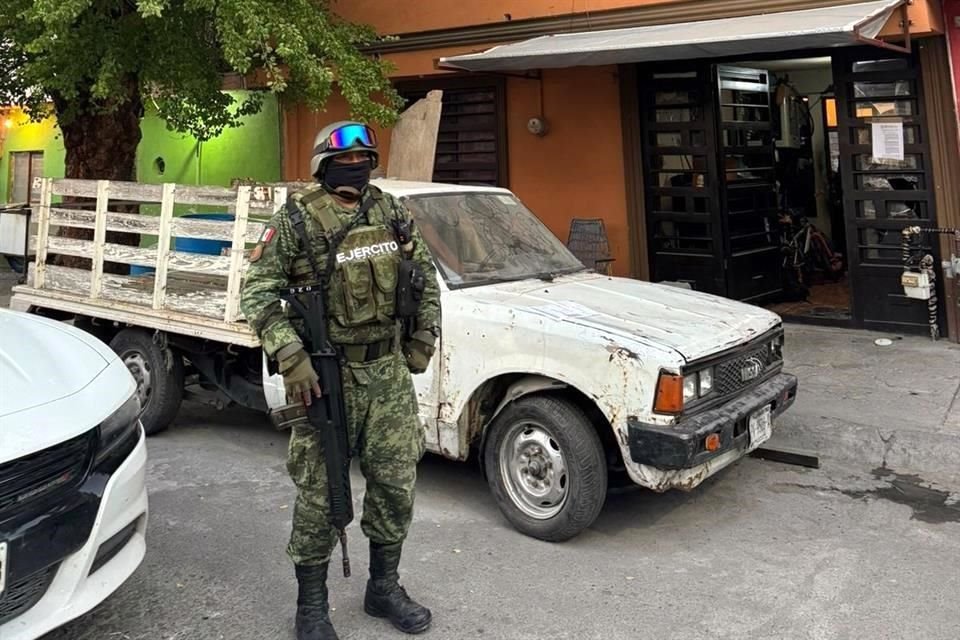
(362, 272)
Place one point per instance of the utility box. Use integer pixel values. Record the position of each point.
(916, 285)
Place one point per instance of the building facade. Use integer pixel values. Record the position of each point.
(720, 142)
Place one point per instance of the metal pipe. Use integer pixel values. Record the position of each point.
(926, 265)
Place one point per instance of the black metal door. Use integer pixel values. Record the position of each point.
(681, 185)
(882, 196)
(748, 195)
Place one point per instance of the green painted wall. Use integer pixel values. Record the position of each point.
(251, 151)
(30, 136)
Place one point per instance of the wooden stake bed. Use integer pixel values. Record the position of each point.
(195, 294)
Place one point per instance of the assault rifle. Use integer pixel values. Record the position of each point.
(327, 414)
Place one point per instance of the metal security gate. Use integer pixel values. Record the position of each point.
(748, 184)
(882, 196)
(708, 164)
(681, 182)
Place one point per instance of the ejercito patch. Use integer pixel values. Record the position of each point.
(257, 252)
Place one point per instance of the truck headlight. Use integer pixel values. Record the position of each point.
(674, 392)
(689, 388)
(706, 381)
(118, 429)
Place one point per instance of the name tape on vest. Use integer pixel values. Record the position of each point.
(362, 253)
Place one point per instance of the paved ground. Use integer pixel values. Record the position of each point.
(857, 549)
(763, 551)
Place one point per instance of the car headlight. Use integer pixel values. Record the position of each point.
(118, 429)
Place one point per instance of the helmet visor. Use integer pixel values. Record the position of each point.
(349, 136)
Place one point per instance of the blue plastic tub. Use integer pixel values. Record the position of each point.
(209, 247)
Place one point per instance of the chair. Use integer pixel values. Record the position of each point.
(588, 242)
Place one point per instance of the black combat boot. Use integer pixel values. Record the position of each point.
(385, 597)
(313, 618)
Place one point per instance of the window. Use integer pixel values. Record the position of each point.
(24, 167)
(471, 144)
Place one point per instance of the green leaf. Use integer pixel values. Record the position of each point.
(93, 56)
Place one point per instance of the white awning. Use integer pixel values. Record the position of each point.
(789, 30)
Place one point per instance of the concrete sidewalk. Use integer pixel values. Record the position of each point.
(870, 406)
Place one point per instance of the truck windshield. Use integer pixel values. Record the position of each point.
(479, 238)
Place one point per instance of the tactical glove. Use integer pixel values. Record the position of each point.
(299, 377)
(419, 349)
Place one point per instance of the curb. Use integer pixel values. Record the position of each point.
(870, 447)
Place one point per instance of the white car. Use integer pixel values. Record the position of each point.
(73, 500)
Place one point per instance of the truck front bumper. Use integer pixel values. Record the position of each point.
(683, 446)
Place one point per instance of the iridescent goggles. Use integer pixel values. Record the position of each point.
(347, 137)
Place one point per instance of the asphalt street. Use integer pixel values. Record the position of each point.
(762, 551)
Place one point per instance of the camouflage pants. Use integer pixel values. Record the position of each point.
(382, 420)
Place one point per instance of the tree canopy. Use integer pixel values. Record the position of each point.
(92, 58)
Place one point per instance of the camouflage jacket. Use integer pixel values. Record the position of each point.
(279, 261)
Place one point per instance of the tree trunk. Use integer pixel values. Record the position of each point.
(101, 144)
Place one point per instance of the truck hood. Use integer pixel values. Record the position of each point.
(42, 361)
(693, 324)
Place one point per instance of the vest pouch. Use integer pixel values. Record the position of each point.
(358, 304)
(385, 276)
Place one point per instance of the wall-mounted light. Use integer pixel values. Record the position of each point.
(537, 126)
(8, 123)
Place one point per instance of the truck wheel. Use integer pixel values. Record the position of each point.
(546, 468)
(159, 376)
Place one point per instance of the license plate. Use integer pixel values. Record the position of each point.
(3, 566)
(761, 427)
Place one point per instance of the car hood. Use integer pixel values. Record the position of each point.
(42, 361)
(693, 324)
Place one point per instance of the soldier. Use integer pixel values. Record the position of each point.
(378, 359)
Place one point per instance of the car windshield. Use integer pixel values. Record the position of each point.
(478, 238)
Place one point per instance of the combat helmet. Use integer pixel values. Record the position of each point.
(340, 137)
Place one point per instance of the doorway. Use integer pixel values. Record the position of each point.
(763, 183)
(809, 193)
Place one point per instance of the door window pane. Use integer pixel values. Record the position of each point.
(893, 64)
(683, 97)
(868, 163)
(24, 167)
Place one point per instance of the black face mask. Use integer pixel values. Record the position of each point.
(355, 175)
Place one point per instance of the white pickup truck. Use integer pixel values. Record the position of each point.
(562, 381)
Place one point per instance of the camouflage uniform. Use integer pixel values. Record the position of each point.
(379, 395)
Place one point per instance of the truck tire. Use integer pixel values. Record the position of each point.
(546, 467)
(159, 376)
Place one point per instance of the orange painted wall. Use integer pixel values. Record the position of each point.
(576, 170)
(404, 16)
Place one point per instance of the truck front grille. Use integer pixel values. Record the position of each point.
(730, 374)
